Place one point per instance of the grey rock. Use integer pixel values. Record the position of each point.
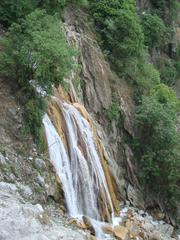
(8, 187)
(2, 160)
(40, 180)
(20, 220)
(25, 190)
(39, 163)
(135, 197)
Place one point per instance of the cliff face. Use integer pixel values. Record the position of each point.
(143, 5)
(95, 87)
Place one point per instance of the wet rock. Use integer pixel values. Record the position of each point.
(78, 223)
(88, 225)
(121, 233)
(108, 229)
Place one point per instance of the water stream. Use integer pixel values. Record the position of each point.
(79, 167)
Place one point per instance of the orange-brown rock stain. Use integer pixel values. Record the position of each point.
(56, 116)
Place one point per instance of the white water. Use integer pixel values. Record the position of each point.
(79, 168)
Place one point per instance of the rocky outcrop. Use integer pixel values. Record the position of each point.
(22, 220)
(97, 87)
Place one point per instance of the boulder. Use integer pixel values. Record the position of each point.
(88, 225)
(2, 160)
(108, 229)
(121, 233)
(39, 163)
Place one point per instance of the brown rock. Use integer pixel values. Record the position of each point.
(88, 225)
(78, 223)
(121, 233)
(108, 229)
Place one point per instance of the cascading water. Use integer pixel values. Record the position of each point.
(79, 167)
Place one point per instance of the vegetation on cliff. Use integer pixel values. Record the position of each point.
(131, 41)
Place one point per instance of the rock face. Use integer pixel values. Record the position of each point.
(95, 70)
(25, 221)
(96, 92)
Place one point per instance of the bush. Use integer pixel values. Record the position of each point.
(166, 95)
(119, 25)
(36, 54)
(154, 30)
(168, 9)
(33, 112)
(37, 50)
(158, 148)
(168, 70)
(13, 10)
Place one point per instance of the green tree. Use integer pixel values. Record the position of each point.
(13, 10)
(154, 30)
(119, 25)
(37, 50)
(37, 56)
(158, 143)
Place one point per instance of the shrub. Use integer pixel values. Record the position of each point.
(33, 112)
(154, 30)
(119, 25)
(37, 50)
(158, 148)
(12, 10)
(166, 95)
(36, 54)
(168, 70)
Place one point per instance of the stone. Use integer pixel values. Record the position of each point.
(26, 191)
(107, 228)
(88, 225)
(40, 180)
(155, 236)
(8, 187)
(78, 223)
(39, 163)
(2, 160)
(135, 197)
(121, 233)
(21, 220)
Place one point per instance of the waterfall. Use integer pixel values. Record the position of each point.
(78, 166)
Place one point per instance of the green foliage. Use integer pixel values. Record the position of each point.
(12, 10)
(167, 9)
(52, 6)
(154, 30)
(37, 50)
(166, 95)
(34, 110)
(119, 26)
(158, 148)
(113, 112)
(168, 69)
(36, 54)
(146, 77)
